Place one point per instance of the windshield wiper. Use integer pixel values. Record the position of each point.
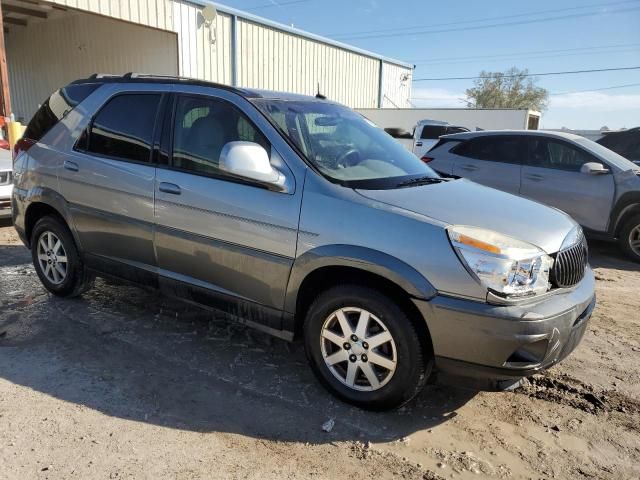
(421, 181)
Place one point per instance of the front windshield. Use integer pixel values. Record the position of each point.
(345, 146)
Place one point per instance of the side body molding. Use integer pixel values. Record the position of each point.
(362, 258)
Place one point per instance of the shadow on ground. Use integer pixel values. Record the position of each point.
(130, 353)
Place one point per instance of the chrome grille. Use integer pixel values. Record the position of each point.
(569, 265)
(5, 178)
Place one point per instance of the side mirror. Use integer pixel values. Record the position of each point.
(594, 168)
(251, 161)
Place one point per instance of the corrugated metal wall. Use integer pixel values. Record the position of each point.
(268, 57)
(396, 86)
(205, 52)
(46, 55)
(276, 60)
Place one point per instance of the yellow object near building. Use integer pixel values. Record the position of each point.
(14, 132)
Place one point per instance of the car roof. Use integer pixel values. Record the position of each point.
(138, 78)
(488, 133)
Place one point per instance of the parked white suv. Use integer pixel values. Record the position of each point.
(596, 186)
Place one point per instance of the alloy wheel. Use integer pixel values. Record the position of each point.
(52, 257)
(358, 349)
(634, 240)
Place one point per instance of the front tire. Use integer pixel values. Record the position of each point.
(364, 348)
(56, 259)
(630, 238)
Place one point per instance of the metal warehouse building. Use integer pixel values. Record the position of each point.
(49, 43)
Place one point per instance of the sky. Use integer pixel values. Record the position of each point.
(461, 38)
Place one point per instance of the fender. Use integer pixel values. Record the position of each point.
(362, 258)
(48, 197)
(627, 204)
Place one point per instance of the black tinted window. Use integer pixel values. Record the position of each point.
(54, 108)
(546, 153)
(451, 130)
(432, 132)
(494, 149)
(203, 126)
(123, 128)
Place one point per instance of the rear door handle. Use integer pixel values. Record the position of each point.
(534, 176)
(418, 144)
(469, 168)
(171, 188)
(69, 165)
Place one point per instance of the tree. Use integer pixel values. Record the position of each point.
(510, 89)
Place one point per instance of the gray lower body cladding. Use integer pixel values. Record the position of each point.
(488, 345)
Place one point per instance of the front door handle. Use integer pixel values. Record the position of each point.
(469, 168)
(418, 144)
(71, 166)
(171, 188)
(534, 176)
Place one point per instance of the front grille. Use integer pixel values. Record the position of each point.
(5, 178)
(569, 265)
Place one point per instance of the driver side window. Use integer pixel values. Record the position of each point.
(546, 153)
(202, 127)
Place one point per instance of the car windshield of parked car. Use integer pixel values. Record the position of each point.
(345, 146)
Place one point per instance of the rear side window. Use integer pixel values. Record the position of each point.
(203, 126)
(432, 132)
(123, 128)
(503, 149)
(451, 130)
(56, 107)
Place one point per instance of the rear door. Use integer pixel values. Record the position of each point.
(491, 160)
(230, 243)
(108, 181)
(552, 176)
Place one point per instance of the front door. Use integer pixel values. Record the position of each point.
(552, 176)
(229, 243)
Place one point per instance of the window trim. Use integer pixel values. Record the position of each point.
(170, 118)
(566, 143)
(89, 127)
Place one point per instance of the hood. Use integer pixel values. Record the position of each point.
(462, 202)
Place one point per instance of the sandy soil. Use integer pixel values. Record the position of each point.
(122, 383)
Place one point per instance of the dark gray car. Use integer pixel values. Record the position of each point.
(297, 216)
(596, 186)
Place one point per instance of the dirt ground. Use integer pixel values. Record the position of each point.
(122, 383)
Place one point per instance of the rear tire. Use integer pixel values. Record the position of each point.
(364, 348)
(630, 238)
(56, 259)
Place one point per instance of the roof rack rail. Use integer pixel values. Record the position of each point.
(133, 77)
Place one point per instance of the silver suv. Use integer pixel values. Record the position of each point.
(298, 216)
(596, 186)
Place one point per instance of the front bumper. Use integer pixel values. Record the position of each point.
(490, 346)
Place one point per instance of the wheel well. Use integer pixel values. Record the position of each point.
(326, 277)
(626, 215)
(34, 213)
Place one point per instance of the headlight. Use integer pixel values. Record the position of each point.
(506, 266)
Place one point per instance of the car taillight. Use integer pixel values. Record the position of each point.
(426, 159)
(22, 145)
